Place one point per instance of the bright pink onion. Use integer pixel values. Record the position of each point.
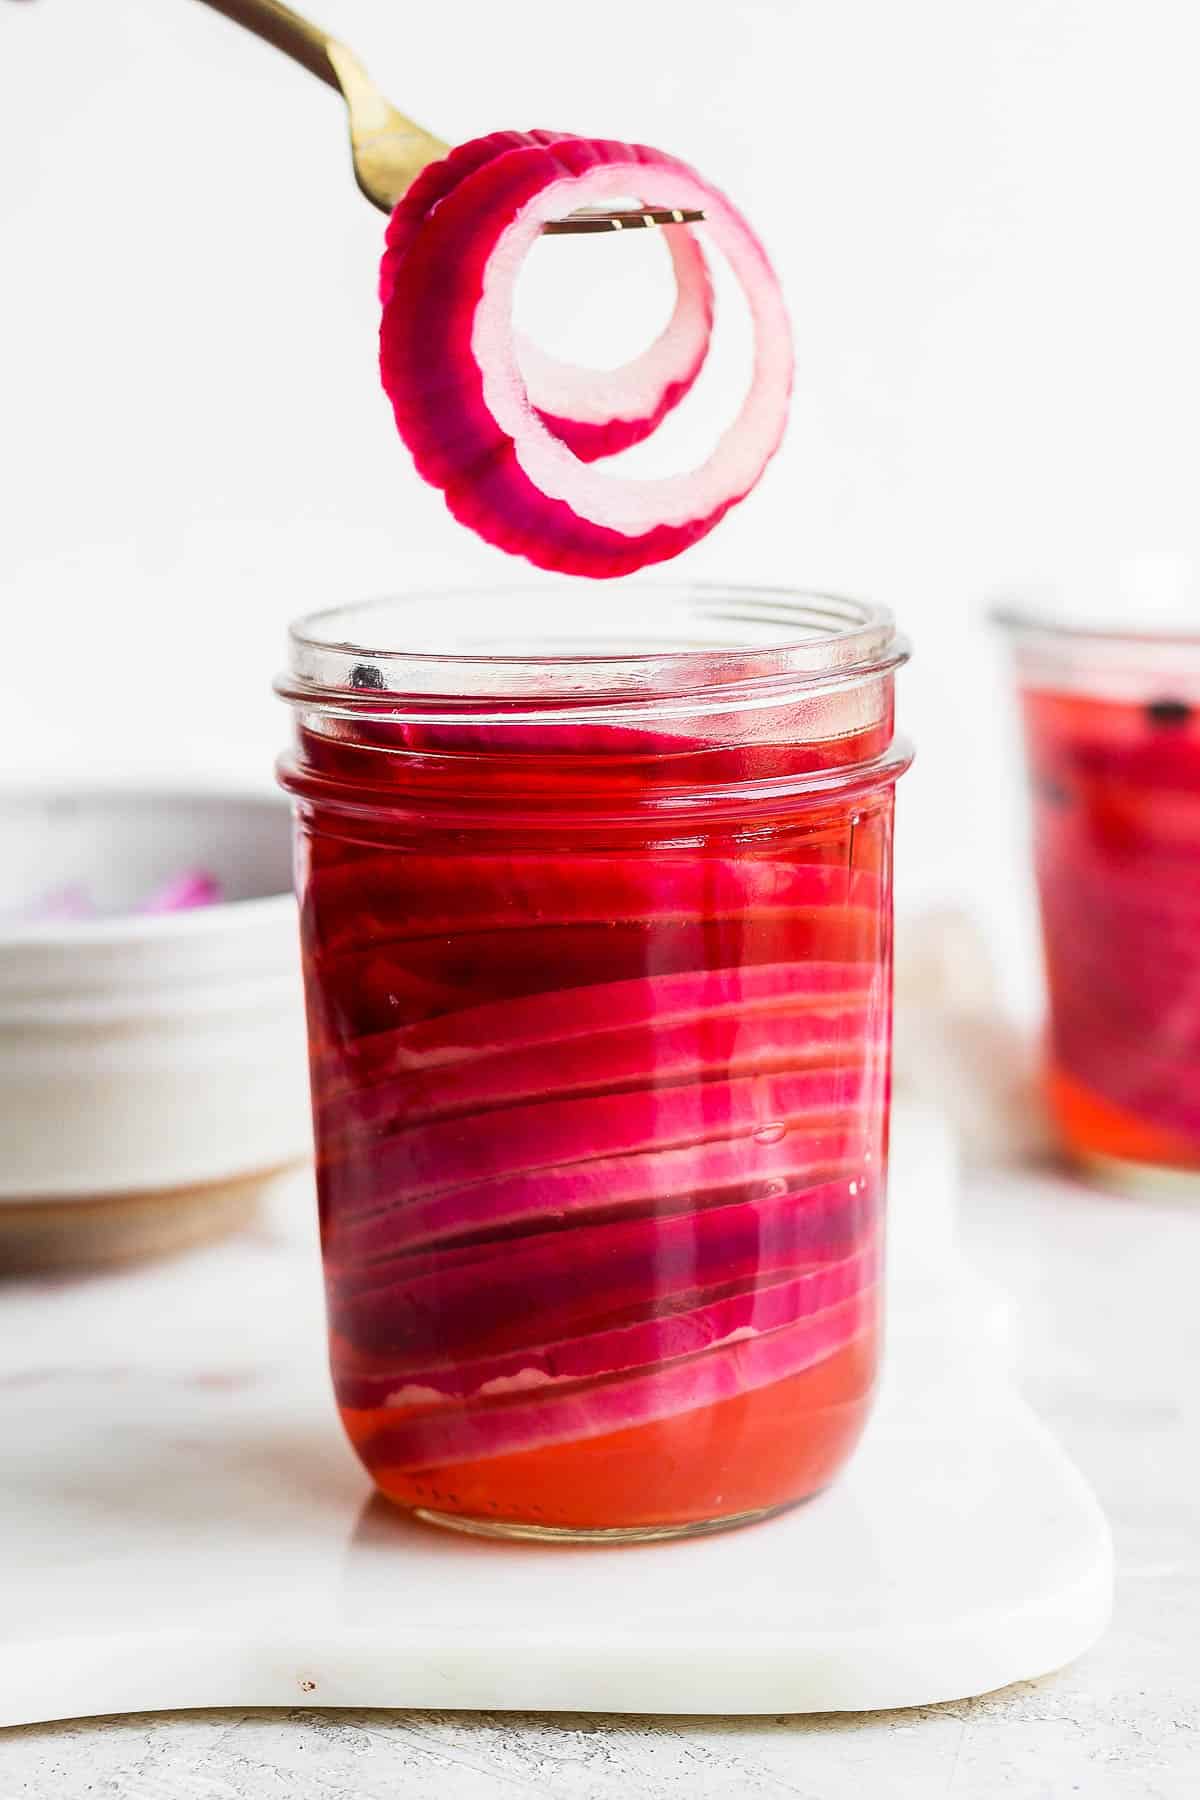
(697, 1322)
(653, 1055)
(561, 1016)
(451, 1299)
(521, 1140)
(450, 363)
(592, 1409)
(412, 896)
(190, 888)
(668, 1180)
(595, 412)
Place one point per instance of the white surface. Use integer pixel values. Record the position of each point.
(148, 1052)
(978, 212)
(1107, 1342)
(183, 1526)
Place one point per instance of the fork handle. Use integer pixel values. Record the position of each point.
(286, 30)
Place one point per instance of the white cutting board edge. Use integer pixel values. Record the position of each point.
(178, 1533)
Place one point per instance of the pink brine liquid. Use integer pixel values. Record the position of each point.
(1116, 787)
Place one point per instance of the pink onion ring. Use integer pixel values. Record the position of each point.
(449, 362)
(595, 412)
(684, 1326)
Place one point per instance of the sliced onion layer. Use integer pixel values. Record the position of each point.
(511, 449)
(373, 986)
(595, 412)
(520, 1140)
(481, 1295)
(593, 1409)
(691, 1324)
(412, 896)
(667, 1180)
(516, 1026)
(653, 1055)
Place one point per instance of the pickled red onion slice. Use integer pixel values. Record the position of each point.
(530, 1420)
(532, 1138)
(450, 364)
(648, 1055)
(595, 412)
(190, 888)
(682, 1175)
(557, 1018)
(479, 1296)
(689, 1324)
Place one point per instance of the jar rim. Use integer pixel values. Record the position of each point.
(642, 646)
(1040, 616)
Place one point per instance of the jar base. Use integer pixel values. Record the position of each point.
(1113, 1147)
(1124, 1176)
(517, 1532)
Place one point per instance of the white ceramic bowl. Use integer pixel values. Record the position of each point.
(152, 1067)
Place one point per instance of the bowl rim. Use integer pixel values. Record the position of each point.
(131, 928)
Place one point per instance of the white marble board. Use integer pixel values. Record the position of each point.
(181, 1524)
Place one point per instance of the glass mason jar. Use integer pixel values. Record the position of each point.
(1112, 729)
(596, 918)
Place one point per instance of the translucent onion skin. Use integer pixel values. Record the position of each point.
(517, 471)
(601, 1132)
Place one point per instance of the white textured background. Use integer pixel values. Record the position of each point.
(984, 212)
(984, 215)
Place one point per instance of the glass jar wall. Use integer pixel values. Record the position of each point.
(597, 945)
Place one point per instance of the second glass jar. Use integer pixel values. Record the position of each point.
(597, 940)
(1112, 733)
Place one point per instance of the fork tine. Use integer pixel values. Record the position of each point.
(598, 219)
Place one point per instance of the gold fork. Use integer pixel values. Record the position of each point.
(388, 150)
